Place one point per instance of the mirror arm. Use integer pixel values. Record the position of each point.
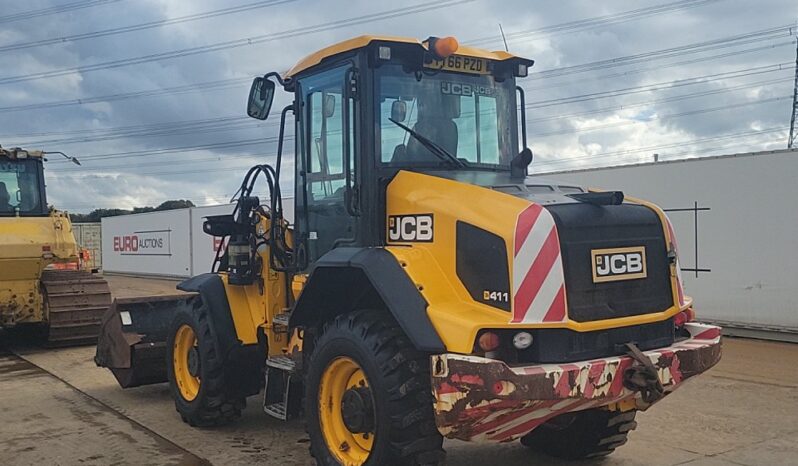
(277, 77)
(283, 114)
(522, 97)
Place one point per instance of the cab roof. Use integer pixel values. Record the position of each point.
(363, 41)
(18, 153)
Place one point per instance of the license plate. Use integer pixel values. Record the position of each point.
(460, 64)
(610, 265)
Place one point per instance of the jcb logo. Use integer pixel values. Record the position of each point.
(411, 228)
(611, 265)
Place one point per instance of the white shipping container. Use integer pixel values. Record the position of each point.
(737, 228)
(203, 246)
(89, 236)
(169, 243)
(153, 243)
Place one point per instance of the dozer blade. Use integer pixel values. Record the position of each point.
(132, 342)
(75, 301)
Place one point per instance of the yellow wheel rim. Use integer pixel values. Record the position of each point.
(185, 344)
(350, 449)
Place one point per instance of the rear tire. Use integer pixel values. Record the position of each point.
(584, 434)
(397, 377)
(198, 385)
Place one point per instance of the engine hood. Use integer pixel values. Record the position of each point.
(538, 190)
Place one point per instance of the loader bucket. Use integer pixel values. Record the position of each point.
(132, 341)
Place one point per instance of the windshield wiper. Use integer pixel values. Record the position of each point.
(432, 146)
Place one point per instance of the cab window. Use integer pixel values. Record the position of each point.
(19, 187)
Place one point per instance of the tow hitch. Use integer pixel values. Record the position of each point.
(642, 377)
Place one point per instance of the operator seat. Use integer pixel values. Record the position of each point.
(435, 122)
(5, 199)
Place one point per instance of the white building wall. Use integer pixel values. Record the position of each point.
(747, 239)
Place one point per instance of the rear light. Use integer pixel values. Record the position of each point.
(683, 317)
(488, 341)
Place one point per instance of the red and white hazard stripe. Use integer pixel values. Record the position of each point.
(538, 280)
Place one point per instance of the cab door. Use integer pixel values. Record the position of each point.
(327, 175)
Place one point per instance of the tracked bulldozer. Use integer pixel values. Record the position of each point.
(45, 283)
(427, 287)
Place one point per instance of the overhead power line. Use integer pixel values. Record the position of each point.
(201, 124)
(161, 163)
(786, 30)
(692, 95)
(229, 123)
(226, 45)
(530, 105)
(595, 22)
(53, 10)
(235, 124)
(143, 26)
(168, 150)
(232, 83)
(669, 116)
(114, 129)
(538, 164)
(206, 86)
(794, 114)
(659, 86)
(657, 68)
(538, 135)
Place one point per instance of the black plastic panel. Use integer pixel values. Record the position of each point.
(584, 227)
(557, 345)
(482, 265)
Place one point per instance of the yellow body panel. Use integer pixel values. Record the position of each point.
(688, 301)
(362, 41)
(22, 260)
(253, 308)
(432, 266)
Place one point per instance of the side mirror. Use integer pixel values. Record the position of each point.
(398, 110)
(261, 95)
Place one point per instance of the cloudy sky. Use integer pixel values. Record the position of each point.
(150, 94)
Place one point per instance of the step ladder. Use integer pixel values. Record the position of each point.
(280, 399)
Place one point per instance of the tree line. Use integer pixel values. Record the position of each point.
(96, 214)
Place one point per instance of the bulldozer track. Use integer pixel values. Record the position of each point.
(75, 302)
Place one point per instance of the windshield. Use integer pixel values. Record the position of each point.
(19, 187)
(469, 116)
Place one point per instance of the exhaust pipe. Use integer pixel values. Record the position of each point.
(132, 341)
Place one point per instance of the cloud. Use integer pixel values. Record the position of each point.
(210, 175)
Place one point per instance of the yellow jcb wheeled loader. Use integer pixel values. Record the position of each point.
(44, 281)
(427, 287)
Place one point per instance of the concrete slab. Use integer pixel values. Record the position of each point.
(125, 286)
(744, 411)
(45, 421)
(713, 418)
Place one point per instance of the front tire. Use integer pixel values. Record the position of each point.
(368, 396)
(584, 434)
(194, 368)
